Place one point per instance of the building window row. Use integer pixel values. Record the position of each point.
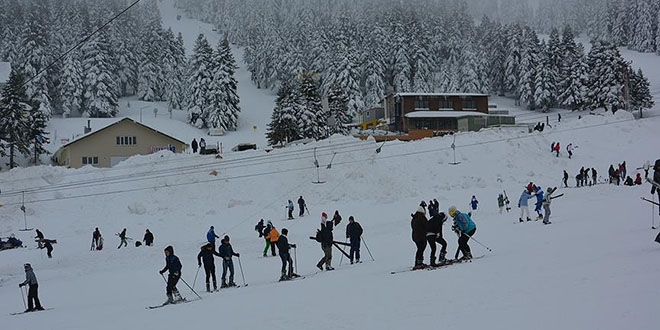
(90, 160)
(126, 140)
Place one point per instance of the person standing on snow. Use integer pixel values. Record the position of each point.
(622, 169)
(123, 241)
(211, 236)
(546, 205)
(96, 235)
(418, 224)
(259, 227)
(354, 234)
(290, 208)
(206, 254)
(148, 238)
(301, 206)
(569, 149)
(39, 238)
(33, 291)
(557, 148)
(227, 252)
(434, 235)
(271, 235)
(594, 176)
(194, 146)
(473, 203)
(465, 228)
(285, 255)
(173, 265)
(202, 146)
(539, 200)
(565, 180)
(522, 204)
(325, 237)
(655, 183)
(500, 202)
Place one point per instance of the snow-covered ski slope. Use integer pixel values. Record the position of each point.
(595, 267)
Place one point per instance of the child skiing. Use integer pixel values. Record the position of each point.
(271, 235)
(227, 252)
(465, 228)
(539, 201)
(473, 204)
(206, 254)
(173, 265)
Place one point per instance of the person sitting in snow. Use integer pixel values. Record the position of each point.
(629, 182)
(638, 179)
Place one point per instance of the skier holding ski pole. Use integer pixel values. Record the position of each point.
(173, 265)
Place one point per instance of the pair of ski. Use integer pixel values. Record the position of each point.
(36, 310)
(445, 264)
(176, 302)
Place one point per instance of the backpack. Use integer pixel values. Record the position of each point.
(319, 236)
(657, 165)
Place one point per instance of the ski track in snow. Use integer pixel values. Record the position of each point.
(595, 267)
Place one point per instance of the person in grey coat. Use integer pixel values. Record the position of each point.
(33, 294)
(547, 200)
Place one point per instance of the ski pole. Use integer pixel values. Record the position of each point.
(195, 281)
(367, 246)
(163, 276)
(23, 296)
(295, 258)
(342, 255)
(191, 289)
(241, 268)
(472, 238)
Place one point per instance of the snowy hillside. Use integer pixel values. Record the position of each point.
(594, 267)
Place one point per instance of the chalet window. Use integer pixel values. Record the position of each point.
(90, 160)
(421, 104)
(469, 104)
(446, 104)
(126, 140)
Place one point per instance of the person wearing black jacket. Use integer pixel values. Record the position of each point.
(336, 218)
(325, 237)
(206, 254)
(434, 234)
(173, 265)
(148, 238)
(565, 179)
(655, 183)
(301, 206)
(284, 247)
(227, 252)
(418, 224)
(259, 227)
(354, 234)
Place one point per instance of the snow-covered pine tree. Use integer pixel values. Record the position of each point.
(606, 68)
(643, 30)
(14, 126)
(545, 93)
(37, 135)
(374, 85)
(514, 40)
(573, 91)
(619, 21)
(640, 93)
(177, 79)
(99, 89)
(529, 64)
(421, 69)
(312, 119)
(150, 79)
(71, 84)
(283, 126)
(555, 53)
(199, 81)
(338, 111)
(470, 78)
(223, 109)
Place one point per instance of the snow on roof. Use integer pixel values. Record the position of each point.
(443, 114)
(440, 94)
(5, 69)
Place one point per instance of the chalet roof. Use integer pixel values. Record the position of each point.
(440, 94)
(444, 114)
(115, 123)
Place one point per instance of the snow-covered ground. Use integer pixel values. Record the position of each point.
(595, 267)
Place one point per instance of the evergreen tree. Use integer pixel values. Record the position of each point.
(223, 108)
(199, 82)
(338, 111)
(99, 98)
(574, 83)
(14, 127)
(529, 63)
(620, 21)
(644, 31)
(470, 79)
(312, 119)
(512, 62)
(606, 67)
(71, 84)
(640, 93)
(177, 79)
(545, 94)
(37, 135)
(374, 85)
(283, 127)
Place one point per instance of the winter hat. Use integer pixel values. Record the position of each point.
(324, 215)
(285, 231)
(270, 222)
(324, 218)
(211, 227)
(226, 238)
(452, 211)
(421, 210)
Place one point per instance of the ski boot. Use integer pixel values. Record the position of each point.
(419, 264)
(329, 267)
(169, 300)
(529, 219)
(520, 220)
(208, 287)
(351, 261)
(284, 277)
(319, 266)
(177, 296)
(442, 258)
(432, 263)
(223, 285)
(215, 285)
(231, 283)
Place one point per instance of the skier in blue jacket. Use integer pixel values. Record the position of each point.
(174, 266)
(465, 228)
(474, 203)
(522, 204)
(211, 236)
(538, 192)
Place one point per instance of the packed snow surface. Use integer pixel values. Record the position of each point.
(595, 267)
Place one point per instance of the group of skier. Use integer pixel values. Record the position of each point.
(302, 207)
(97, 239)
(429, 232)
